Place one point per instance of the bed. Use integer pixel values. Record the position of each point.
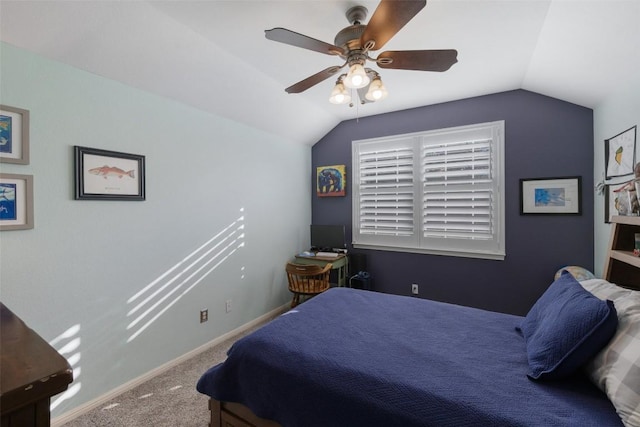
(359, 358)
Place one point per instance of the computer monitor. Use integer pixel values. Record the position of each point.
(327, 237)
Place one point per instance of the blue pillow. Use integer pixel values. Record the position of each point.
(565, 328)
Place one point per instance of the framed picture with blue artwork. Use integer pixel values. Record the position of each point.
(331, 181)
(551, 196)
(14, 135)
(16, 201)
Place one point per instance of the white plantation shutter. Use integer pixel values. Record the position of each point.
(436, 192)
(385, 176)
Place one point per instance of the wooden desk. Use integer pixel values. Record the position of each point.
(340, 263)
(31, 371)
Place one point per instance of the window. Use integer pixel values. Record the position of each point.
(431, 192)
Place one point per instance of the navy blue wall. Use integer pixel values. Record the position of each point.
(544, 137)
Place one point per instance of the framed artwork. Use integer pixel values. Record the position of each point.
(16, 201)
(331, 181)
(620, 153)
(551, 196)
(14, 135)
(108, 175)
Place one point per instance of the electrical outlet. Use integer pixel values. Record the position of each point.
(227, 305)
(204, 315)
(414, 289)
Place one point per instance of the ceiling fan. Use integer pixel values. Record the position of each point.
(354, 43)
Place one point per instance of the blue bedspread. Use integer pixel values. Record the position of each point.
(357, 358)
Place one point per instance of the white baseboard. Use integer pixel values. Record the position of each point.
(101, 400)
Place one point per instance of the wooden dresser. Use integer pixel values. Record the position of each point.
(31, 371)
(621, 266)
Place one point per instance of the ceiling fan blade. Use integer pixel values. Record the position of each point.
(292, 38)
(390, 16)
(305, 84)
(421, 60)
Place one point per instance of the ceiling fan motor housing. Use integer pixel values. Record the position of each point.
(349, 38)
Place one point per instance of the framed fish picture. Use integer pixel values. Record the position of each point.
(16, 201)
(108, 175)
(14, 135)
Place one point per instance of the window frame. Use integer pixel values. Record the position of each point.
(491, 248)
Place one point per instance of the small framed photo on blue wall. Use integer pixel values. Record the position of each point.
(331, 181)
(551, 196)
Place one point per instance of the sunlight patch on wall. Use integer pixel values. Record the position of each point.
(68, 344)
(148, 304)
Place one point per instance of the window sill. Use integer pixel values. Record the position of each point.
(460, 254)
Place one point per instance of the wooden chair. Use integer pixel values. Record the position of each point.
(307, 280)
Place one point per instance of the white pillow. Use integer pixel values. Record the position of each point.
(616, 368)
(604, 290)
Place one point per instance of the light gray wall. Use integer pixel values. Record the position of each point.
(117, 277)
(618, 113)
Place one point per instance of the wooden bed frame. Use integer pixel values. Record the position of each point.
(229, 414)
(621, 267)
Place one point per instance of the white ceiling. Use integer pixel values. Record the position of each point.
(213, 55)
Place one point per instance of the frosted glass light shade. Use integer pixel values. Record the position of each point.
(377, 91)
(339, 94)
(357, 77)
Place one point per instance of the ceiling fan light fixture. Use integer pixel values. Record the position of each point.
(354, 43)
(377, 91)
(357, 77)
(339, 94)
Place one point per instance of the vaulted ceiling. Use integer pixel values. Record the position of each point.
(213, 55)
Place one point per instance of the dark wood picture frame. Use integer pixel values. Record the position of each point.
(108, 175)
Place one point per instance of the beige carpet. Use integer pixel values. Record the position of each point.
(168, 400)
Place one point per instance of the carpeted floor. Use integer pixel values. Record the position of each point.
(167, 400)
